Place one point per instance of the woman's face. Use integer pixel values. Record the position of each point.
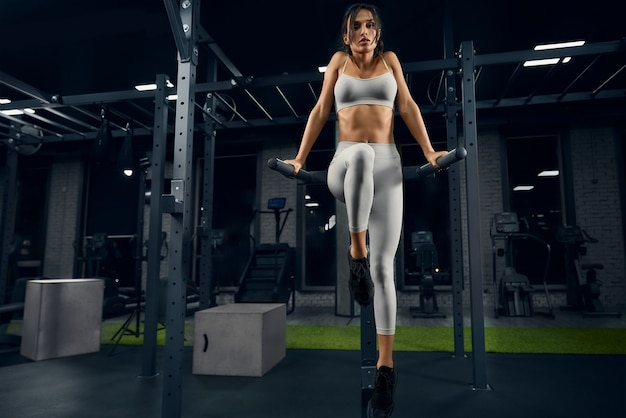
(363, 33)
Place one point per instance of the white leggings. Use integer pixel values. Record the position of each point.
(368, 179)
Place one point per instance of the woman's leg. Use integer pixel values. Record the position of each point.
(385, 227)
(350, 180)
(385, 351)
(358, 244)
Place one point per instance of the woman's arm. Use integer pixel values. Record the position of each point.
(409, 111)
(320, 112)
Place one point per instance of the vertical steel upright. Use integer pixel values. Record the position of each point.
(141, 205)
(7, 217)
(207, 277)
(454, 190)
(153, 271)
(180, 204)
(368, 356)
(473, 215)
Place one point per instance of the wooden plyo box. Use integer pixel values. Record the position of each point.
(62, 317)
(239, 339)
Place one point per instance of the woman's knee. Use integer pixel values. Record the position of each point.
(382, 273)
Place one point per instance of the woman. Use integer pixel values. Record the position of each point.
(364, 83)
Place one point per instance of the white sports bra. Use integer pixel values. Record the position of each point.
(351, 91)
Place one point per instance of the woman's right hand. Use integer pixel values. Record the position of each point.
(297, 165)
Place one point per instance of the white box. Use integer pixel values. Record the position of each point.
(62, 317)
(240, 339)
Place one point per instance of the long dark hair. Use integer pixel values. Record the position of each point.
(350, 15)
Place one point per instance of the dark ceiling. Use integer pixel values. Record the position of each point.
(75, 47)
(71, 47)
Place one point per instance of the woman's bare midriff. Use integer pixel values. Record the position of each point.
(366, 123)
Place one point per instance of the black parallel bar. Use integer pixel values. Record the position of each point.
(305, 177)
(410, 173)
(445, 161)
(473, 215)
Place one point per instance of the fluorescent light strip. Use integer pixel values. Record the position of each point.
(5, 101)
(145, 87)
(537, 63)
(548, 173)
(17, 112)
(322, 69)
(13, 112)
(151, 86)
(553, 61)
(559, 45)
(523, 188)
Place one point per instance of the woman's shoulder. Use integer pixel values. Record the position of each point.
(337, 60)
(339, 56)
(390, 56)
(392, 61)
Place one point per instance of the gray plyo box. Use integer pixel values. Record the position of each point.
(62, 317)
(240, 339)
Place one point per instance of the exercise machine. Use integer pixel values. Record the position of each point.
(96, 263)
(368, 327)
(513, 292)
(269, 275)
(426, 273)
(583, 291)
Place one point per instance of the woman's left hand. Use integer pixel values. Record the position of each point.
(432, 157)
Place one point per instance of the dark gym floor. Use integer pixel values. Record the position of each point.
(324, 383)
(317, 383)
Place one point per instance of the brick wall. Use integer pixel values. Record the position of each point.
(272, 184)
(598, 206)
(489, 172)
(66, 184)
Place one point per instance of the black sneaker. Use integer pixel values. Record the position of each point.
(361, 284)
(381, 404)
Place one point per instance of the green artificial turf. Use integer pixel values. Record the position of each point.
(497, 340)
(422, 339)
